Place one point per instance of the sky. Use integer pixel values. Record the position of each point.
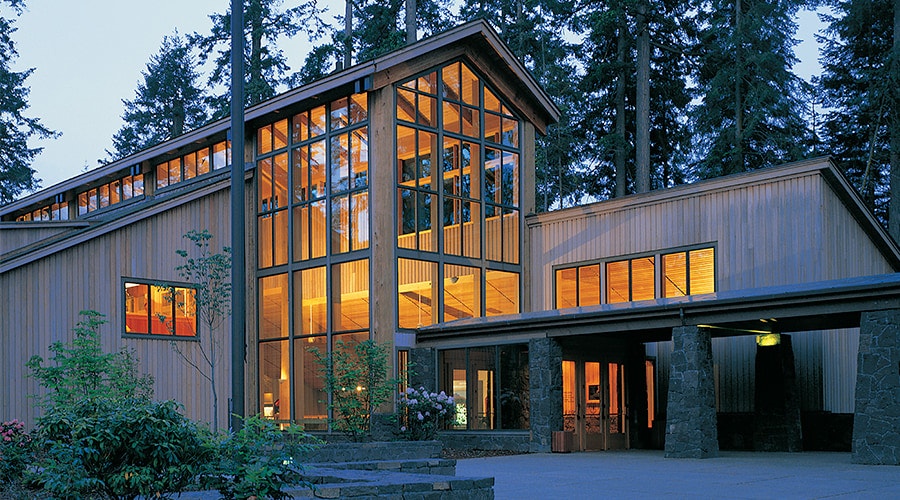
(88, 56)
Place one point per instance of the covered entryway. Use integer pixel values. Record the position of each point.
(594, 403)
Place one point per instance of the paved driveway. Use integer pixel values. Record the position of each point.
(646, 474)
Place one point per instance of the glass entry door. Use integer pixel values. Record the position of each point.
(594, 405)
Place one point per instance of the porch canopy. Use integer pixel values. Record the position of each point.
(822, 305)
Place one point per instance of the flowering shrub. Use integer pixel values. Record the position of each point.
(15, 450)
(425, 413)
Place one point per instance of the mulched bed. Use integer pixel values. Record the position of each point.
(474, 453)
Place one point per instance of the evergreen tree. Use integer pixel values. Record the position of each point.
(265, 64)
(751, 109)
(609, 54)
(167, 103)
(860, 87)
(531, 30)
(16, 174)
(370, 28)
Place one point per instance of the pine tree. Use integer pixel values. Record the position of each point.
(265, 64)
(610, 54)
(531, 30)
(167, 103)
(860, 87)
(751, 109)
(370, 28)
(16, 174)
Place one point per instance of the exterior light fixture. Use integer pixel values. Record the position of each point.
(768, 339)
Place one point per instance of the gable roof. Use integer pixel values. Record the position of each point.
(475, 40)
(822, 166)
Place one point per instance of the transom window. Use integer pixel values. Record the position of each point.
(664, 275)
(165, 309)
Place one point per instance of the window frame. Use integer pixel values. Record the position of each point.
(657, 278)
(125, 280)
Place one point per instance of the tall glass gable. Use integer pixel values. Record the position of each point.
(458, 188)
(312, 250)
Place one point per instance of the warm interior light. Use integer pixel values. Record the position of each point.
(768, 339)
(268, 404)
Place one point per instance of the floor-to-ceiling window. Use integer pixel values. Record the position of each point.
(312, 251)
(458, 191)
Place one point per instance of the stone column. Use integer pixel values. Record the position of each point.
(776, 415)
(424, 369)
(876, 421)
(545, 388)
(691, 430)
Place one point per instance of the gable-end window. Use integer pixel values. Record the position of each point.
(166, 309)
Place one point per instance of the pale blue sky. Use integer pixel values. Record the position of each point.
(88, 56)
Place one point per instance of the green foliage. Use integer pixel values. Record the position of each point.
(16, 451)
(118, 449)
(167, 103)
(751, 115)
(16, 129)
(859, 90)
(258, 461)
(423, 413)
(356, 377)
(265, 64)
(82, 373)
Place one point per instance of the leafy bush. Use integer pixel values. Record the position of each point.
(424, 413)
(81, 371)
(257, 461)
(118, 449)
(356, 376)
(15, 451)
(101, 434)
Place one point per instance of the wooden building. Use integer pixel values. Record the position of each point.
(393, 200)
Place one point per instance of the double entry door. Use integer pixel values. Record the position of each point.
(594, 403)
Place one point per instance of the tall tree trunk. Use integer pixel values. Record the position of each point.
(738, 157)
(256, 33)
(642, 104)
(621, 171)
(894, 207)
(410, 21)
(348, 33)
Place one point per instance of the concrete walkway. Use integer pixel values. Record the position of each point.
(646, 474)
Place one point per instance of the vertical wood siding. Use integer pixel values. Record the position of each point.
(41, 300)
(779, 231)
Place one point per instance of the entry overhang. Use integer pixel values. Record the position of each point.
(823, 305)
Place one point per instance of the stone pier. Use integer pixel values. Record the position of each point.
(691, 430)
(876, 422)
(545, 387)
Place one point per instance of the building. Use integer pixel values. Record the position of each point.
(393, 200)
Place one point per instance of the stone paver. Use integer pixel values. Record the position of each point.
(647, 474)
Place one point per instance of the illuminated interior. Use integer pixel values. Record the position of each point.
(458, 196)
(312, 233)
(625, 280)
(160, 310)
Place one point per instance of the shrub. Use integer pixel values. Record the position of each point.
(424, 413)
(356, 376)
(15, 451)
(101, 434)
(257, 461)
(119, 449)
(81, 371)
